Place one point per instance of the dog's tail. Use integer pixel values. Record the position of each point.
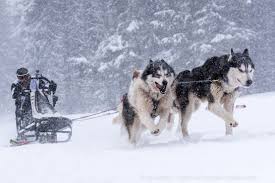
(118, 119)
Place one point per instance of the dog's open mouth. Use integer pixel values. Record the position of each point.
(162, 88)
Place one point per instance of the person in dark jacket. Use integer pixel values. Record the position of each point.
(21, 94)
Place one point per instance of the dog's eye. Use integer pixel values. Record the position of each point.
(168, 74)
(157, 75)
(250, 71)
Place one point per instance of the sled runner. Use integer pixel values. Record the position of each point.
(36, 118)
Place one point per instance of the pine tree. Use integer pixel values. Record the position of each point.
(213, 32)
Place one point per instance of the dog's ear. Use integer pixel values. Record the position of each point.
(148, 70)
(136, 74)
(230, 55)
(245, 52)
(232, 52)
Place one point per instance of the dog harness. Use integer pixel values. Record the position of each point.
(155, 107)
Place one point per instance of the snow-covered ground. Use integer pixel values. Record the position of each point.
(97, 152)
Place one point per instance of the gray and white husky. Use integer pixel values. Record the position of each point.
(218, 82)
(149, 96)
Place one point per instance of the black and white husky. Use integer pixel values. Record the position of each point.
(149, 96)
(218, 82)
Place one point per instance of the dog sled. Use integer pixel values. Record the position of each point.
(36, 117)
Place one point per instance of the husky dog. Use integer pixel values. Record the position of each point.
(149, 96)
(218, 82)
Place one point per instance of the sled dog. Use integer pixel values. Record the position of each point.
(217, 82)
(149, 96)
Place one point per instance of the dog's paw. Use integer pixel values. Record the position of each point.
(185, 134)
(233, 124)
(155, 132)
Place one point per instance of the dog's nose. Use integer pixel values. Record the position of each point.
(249, 82)
(164, 82)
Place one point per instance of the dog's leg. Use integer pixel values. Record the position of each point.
(163, 119)
(218, 110)
(148, 122)
(143, 107)
(135, 132)
(185, 116)
(229, 102)
(170, 122)
(215, 106)
(187, 107)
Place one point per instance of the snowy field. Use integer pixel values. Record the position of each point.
(98, 153)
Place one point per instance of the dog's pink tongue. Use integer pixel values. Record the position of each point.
(158, 86)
